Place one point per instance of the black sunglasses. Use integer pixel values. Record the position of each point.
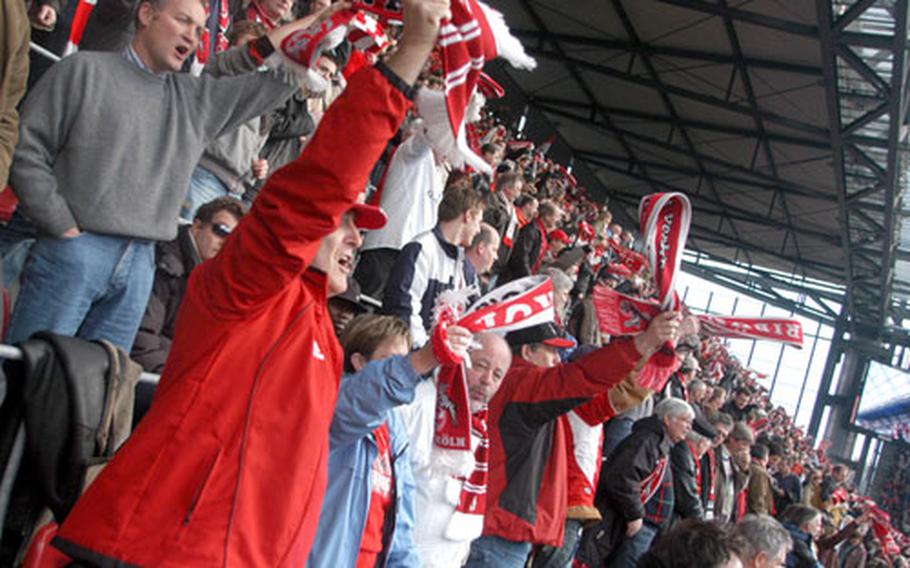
(221, 230)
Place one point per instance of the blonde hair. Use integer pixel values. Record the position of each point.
(367, 332)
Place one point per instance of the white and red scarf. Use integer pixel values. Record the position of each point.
(516, 305)
(781, 330)
(619, 314)
(77, 28)
(467, 521)
(474, 35)
(221, 40)
(665, 220)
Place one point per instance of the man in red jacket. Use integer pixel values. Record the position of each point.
(228, 468)
(528, 488)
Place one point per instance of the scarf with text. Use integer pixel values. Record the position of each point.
(516, 305)
(786, 331)
(665, 220)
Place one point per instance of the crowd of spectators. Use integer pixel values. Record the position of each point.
(164, 221)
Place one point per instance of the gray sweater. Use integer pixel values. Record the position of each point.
(108, 147)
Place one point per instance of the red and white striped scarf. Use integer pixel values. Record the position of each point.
(467, 521)
(474, 35)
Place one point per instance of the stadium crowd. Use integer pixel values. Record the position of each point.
(279, 255)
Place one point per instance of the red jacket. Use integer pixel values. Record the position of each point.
(228, 468)
(527, 495)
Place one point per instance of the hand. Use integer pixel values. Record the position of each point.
(71, 233)
(421, 27)
(460, 340)
(260, 167)
(46, 16)
(663, 328)
(632, 527)
(421, 21)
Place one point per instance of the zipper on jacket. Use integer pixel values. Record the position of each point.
(248, 420)
(201, 489)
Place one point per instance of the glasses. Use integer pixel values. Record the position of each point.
(221, 230)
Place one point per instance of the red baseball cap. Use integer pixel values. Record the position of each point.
(368, 216)
(560, 235)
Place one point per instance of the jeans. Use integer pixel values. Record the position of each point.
(91, 286)
(615, 431)
(549, 557)
(204, 187)
(495, 552)
(631, 549)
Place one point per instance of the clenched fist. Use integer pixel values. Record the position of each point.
(663, 328)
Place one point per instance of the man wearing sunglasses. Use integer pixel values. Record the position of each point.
(174, 261)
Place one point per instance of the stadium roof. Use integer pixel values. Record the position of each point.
(782, 119)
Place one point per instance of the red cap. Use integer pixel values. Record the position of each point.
(368, 216)
(559, 235)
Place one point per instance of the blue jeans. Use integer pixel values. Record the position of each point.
(615, 431)
(204, 187)
(495, 552)
(632, 549)
(91, 286)
(549, 557)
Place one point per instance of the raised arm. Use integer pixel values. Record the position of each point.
(304, 201)
(545, 394)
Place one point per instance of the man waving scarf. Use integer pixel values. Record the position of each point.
(665, 220)
(473, 35)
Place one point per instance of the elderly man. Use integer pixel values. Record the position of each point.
(635, 494)
(230, 465)
(527, 502)
(445, 523)
(730, 478)
(766, 542)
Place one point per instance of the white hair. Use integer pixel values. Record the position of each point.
(671, 406)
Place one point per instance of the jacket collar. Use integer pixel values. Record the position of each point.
(318, 283)
(447, 247)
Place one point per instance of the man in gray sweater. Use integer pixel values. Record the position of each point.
(107, 145)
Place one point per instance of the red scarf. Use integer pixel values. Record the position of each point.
(467, 522)
(521, 303)
(77, 28)
(474, 35)
(665, 220)
(619, 314)
(221, 41)
(255, 13)
(782, 330)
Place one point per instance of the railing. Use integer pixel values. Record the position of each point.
(15, 354)
(42, 51)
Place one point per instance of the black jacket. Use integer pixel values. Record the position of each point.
(685, 482)
(525, 253)
(630, 465)
(74, 398)
(174, 261)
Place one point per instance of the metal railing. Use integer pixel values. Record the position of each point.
(15, 354)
